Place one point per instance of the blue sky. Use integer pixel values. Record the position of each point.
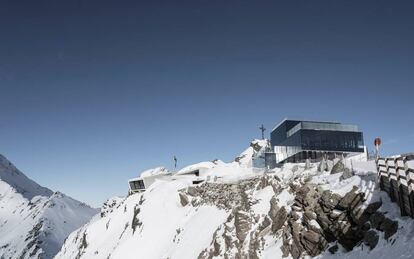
(93, 92)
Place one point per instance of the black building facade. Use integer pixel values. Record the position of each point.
(296, 141)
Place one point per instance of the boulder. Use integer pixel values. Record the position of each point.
(306, 196)
(322, 219)
(373, 207)
(183, 199)
(273, 207)
(371, 238)
(242, 224)
(192, 191)
(338, 167)
(329, 200)
(359, 215)
(351, 200)
(279, 219)
(296, 248)
(389, 227)
(322, 167)
(346, 174)
(376, 219)
(309, 215)
(333, 249)
(312, 242)
(295, 215)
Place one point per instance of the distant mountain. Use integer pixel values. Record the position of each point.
(34, 221)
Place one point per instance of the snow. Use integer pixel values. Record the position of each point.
(263, 196)
(154, 172)
(198, 166)
(251, 157)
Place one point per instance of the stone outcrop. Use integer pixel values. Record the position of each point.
(328, 217)
(316, 221)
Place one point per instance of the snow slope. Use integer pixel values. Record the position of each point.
(230, 215)
(34, 221)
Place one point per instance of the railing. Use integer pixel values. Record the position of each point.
(396, 177)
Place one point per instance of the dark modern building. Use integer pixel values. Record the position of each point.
(296, 141)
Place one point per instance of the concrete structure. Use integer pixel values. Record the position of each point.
(296, 141)
(140, 184)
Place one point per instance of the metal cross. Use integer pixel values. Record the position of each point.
(262, 128)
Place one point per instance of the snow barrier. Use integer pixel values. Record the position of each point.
(396, 177)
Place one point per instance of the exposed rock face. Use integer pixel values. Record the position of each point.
(110, 205)
(242, 235)
(242, 224)
(316, 219)
(328, 217)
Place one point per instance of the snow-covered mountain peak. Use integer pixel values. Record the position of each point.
(34, 221)
(19, 181)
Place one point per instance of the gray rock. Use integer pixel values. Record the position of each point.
(295, 216)
(183, 199)
(366, 226)
(351, 200)
(242, 224)
(322, 219)
(389, 227)
(376, 219)
(346, 174)
(371, 238)
(313, 242)
(322, 167)
(309, 215)
(279, 219)
(273, 207)
(306, 196)
(338, 167)
(192, 191)
(311, 236)
(359, 215)
(329, 200)
(333, 249)
(373, 207)
(296, 248)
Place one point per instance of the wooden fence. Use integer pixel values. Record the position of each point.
(396, 177)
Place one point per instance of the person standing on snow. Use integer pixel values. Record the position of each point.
(175, 162)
